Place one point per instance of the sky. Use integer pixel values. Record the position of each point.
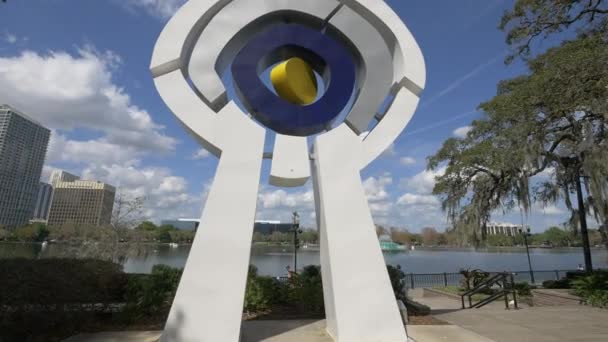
(82, 69)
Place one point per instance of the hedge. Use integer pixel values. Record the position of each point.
(60, 281)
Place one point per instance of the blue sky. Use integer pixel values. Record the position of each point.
(81, 68)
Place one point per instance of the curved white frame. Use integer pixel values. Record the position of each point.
(209, 300)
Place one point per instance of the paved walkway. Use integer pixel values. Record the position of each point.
(539, 324)
(285, 331)
(295, 331)
(123, 336)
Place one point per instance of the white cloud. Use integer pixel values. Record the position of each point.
(166, 195)
(416, 199)
(157, 8)
(67, 92)
(278, 204)
(551, 210)
(281, 199)
(375, 187)
(423, 182)
(462, 132)
(417, 207)
(200, 154)
(95, 151)
(407, 161)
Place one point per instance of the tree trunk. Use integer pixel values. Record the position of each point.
(583, 221)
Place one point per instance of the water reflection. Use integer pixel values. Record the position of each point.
(273, 260)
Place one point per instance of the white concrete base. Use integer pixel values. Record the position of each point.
(360, 303)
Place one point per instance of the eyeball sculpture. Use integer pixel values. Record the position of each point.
(344, 74)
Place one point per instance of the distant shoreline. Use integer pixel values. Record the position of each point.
(316, 247)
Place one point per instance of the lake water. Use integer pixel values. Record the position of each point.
(273, 260)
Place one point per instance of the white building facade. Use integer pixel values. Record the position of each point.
(508, 229)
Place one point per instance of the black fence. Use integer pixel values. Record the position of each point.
(454, 279)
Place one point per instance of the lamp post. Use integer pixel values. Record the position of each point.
(525, 233)
(296, 241)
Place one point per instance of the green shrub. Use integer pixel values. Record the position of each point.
(4, 234)
(35, 296)
(60, 281)
(587, 285)
(598, 298)
(150, 294)
(557, 284)
(593, 288)
(306, 290)
(303, 292)
(416, 309)
(523, 289)
(32, 326)
(572, 275)
(472, 278)
(397, 277)
(261, 292)
(37, 232)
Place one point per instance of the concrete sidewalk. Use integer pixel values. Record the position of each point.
(295, 331)
(539, 324)
(122, 336)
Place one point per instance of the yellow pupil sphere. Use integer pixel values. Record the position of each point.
(294, 81)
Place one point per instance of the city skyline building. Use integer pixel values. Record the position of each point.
(62, 176)
(43, 202)
(81, 202)
(23, 147)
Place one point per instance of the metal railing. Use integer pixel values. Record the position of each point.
(507, 287)
(413, 280)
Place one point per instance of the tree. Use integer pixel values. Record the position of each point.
(380, 230)
(554, 118)
(128, 210)
(557, 237)
(4, 234)
(401, 236)
(147, 226)
(258, 237)
(277, 236)
(36, 232)
(430, 236)
(310, 236)
(532, 19)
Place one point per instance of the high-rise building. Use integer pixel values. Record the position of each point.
(23, 144)
(62, 176)
(81, 202)
(43, 202)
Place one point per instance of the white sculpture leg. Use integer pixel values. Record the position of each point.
(360, 303)
(208, 305)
